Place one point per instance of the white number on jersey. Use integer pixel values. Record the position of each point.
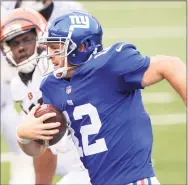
(90, 129)
(102, 52)
(86, 130)
(76, 142)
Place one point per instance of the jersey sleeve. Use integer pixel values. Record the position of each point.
(51, 91)
(44, 87)
(45, 95)
(129, 65)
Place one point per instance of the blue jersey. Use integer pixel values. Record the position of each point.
(104, 104)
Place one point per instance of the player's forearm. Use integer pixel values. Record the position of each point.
(45, 167)
(175, 72)
(32, 148)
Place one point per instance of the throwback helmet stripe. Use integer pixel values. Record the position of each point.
(20, 21)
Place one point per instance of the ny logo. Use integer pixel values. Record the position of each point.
(79, 21)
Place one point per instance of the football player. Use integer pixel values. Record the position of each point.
(100, 91)
(19, 33)
(9, 120)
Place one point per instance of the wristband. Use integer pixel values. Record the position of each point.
(21, 140)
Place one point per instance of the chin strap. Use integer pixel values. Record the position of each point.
(61, 72)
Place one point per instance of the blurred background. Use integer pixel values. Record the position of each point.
(155, 28)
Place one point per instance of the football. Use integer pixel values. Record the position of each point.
(48, 108)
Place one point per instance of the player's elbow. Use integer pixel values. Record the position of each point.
(33, 149)
(175, 62)
(170, 65)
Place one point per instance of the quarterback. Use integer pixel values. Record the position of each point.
(19, 32)
(100, 91)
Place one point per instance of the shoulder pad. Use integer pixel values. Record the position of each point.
(111, 52)
(118, 47)
(46, 81)
(18, 89)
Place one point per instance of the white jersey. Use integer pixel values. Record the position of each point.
(7, 74)
(63, 7)
(28, 96)
(6, 7)
(5, 94)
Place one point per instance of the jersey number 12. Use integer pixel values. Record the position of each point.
(90, 129)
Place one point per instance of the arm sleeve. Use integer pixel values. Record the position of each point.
(45, 97)
(129, 65)
(44, 88)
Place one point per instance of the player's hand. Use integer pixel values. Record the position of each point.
(33, 128)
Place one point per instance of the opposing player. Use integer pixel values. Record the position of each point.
(19, 33)
(10, 119)
(100, 91)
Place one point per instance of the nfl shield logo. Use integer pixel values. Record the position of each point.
(68, 89)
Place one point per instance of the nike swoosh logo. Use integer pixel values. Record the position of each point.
(120, 47)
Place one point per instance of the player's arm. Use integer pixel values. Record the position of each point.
(170, 68)
(138, 71)
(33, 128)
(45, 166)
(32, 149)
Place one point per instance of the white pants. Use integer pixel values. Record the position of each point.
(69, 160)
(76, 177)
(18, 159)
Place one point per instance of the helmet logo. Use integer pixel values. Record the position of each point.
(79, 21)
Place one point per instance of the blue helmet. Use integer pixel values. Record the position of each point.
(74, 29)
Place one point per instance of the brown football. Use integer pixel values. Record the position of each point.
(47, 108)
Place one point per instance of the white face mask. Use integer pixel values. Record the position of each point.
(28, 66)
(60, 72)
(25, 66)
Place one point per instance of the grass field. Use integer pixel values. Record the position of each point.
(155, 28)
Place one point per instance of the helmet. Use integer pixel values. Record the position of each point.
(75, 29)
(18, 22)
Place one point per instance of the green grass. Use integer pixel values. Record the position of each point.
(169, 149)
(5, 176)
(169, 153)
(118, 14)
